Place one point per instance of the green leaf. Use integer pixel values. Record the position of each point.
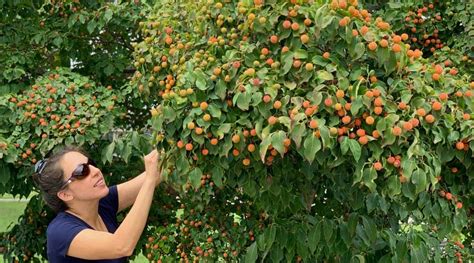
(359, 50)
(91, 26)
(360, 259)
(287, 61)
(356, 105)
(301, 54)
(291, 85)
(223, 129)
(325, 137)
(394, 187)
(388, 137)
(311, 146)
(297, 134)
(370, 229)
(108, 15)
(276, 255)
(391, 63)
(381, 125)
(109, 69)
(313, 237)
(286, 121)
(221, 89)
(217, 175)
(368, 178)
(328, 230)
(277, 141)
(251, 255)
(82, 18)
(58, 41)
(4, 173)
(38, 37)
(264, 147)
(256, 98)
(80, 139)
(127, 151)
(408, 165)
(344, 233)
(321, 18)
(382, 55)
(418, 254)
(169, 114)
(195, 177)
(371, 202)
(214, 111)
(345, 145)
(226, 146)
(419, 179)
(201, 81)
(268, 239)
(243, 100)
(408, 190)
(107, 153)
(324, 75)
(355, 149)
(135, 139)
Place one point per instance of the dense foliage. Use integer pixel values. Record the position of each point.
(294, 130)
(62, 108)
(293, 109)
(446, 27)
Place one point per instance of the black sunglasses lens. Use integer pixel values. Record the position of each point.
(81, 171)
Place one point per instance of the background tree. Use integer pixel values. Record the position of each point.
(295, 130)
(319, 119)
(39, 40)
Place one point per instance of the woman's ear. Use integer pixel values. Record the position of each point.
(65, 195)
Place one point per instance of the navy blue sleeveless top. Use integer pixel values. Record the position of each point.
(65, 226)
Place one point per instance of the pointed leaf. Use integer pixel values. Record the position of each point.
(311, 146)
(355, 149)
(195, 177)
(251, 255)
(313, 237)
(277, 141)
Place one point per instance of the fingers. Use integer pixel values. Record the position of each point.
(152, 154)
(153, 158)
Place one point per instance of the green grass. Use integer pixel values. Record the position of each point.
(10, 213)
(8, 196)
(11, 210)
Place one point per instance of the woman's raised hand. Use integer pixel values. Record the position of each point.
(153, 165)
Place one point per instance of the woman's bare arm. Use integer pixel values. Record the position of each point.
(92, 244)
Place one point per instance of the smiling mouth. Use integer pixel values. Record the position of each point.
(101, 181)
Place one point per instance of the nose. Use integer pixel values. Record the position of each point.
(94, 170)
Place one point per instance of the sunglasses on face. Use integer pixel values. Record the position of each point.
(81, 172)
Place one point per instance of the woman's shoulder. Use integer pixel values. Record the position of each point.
(60, 233)
(64, 222)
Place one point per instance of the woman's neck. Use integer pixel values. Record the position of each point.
(89, 213)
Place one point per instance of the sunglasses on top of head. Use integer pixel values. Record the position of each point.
(81, 172)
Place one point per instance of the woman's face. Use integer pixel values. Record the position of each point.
(92, 186)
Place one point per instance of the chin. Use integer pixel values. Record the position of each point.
(103, 189)
(106, 188)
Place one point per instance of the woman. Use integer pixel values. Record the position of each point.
(85, 228)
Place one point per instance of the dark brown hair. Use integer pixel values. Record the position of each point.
(49, 177)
